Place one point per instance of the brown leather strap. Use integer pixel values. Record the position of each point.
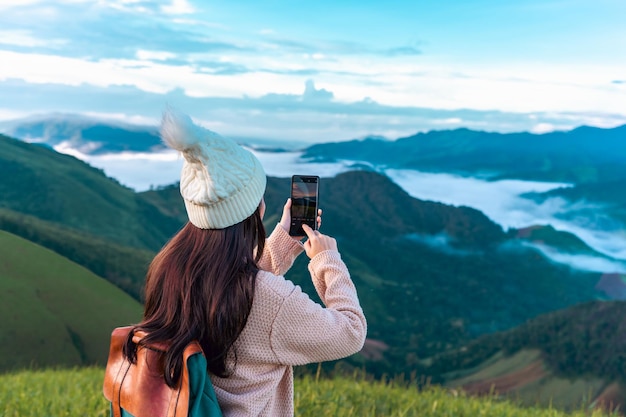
(116, 369)
(183, 396)
(140, 388)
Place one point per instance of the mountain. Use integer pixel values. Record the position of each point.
(61, 189)
(431, 277)
(547, 235)
(593, 200)
(55, 312)
(123, 266)
(555, 359)
(88, 135)
(583, 155)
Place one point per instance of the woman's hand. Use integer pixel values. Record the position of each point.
(285, 220)
(317, 242)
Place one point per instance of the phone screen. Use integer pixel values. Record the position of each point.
(304, 203)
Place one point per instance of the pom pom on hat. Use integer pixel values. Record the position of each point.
(221, 183)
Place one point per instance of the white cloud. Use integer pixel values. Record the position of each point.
(26, 39)
(499, 200)
(178, 7)
(503, 203)
(154, 55)
(449, 121)
(123, 117)
(582, 262)
(442, 242)
(543, 128)
(10, 114)
(9, 4)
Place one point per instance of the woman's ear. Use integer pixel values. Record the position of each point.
(262, 208)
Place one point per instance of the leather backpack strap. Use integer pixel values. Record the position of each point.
(184, 392)
(139, 388)
(116, 369)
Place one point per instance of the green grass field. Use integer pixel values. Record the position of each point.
(77, 392)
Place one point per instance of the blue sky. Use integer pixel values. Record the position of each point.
(319, 71)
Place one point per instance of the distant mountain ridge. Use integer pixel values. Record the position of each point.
(583, 155)
(592, 159)
(88, 135)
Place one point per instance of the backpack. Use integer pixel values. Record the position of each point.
(139, 390)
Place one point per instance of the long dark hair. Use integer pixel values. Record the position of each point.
(200, 286)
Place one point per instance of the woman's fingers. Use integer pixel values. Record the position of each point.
(317, 242)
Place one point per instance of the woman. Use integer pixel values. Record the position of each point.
(219, 281)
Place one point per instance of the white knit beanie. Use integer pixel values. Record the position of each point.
(221, 182)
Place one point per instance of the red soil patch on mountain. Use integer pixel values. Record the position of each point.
(508, 382)
(611, 398)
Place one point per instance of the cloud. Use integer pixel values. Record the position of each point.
(163, 168)
(156, 168)
(7, 114)
(6, 5)
(313, 94)
(581, 262)
(543, 128)
(24, 38)
(441, 242)
(178, 7)
(504, 203)
(89, 32)
(284, 117)
(155, 55)
(158, 52)
(333, 48)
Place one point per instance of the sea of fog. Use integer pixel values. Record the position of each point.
(502, 201)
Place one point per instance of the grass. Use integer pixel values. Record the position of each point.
(78, 392)
(53, 393)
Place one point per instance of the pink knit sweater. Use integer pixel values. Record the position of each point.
(287, 328)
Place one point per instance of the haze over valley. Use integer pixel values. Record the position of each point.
(142, 163)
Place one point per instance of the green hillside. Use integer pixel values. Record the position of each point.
(54, 311)
(526, 377)
(547, 235)
(574, 352)
(61, 189)
(123, 266)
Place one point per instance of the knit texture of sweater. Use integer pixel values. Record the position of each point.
(285, 328)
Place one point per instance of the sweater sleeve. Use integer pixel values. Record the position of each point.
(281, 250)
(305, 332)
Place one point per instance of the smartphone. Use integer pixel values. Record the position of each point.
(304, 203)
